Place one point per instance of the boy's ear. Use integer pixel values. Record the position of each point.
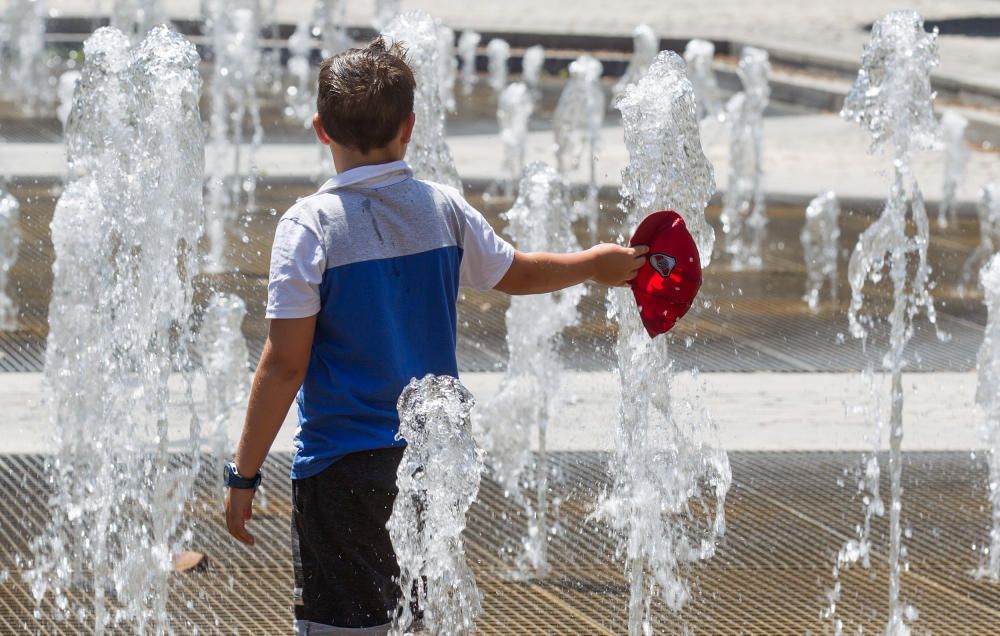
(320, 133)
(406, 128)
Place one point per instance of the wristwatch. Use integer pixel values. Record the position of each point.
(233, 479)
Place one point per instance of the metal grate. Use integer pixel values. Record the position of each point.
(786, 518)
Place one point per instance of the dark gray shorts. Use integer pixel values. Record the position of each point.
(345, 568)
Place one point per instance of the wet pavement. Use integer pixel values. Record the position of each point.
(742, 321)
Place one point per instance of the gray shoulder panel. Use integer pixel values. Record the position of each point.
(361, 224)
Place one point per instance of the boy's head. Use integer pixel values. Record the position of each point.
(365, 96)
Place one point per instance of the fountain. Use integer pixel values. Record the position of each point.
(893, 100)
(124, 231)
(663, 465)
(10, 241)
(956, 155)
(135, 18)
(989, 234)
(468, 42)
(24, 62)
(67, 86)
(224, 359)
(428, 153)
(448, 66)
(497, 56)
(645, 46)
(233, 27)
(513, 112)
(271, 77)
(531, 389)
(744, 218)
(300, 96)
(532, 64)
(438, 479)
(577, 122)
(385, 12)
(698, 54)
(819, 247)
(330, 20)
(988, 398)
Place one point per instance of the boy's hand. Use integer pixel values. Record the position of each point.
(616, 264)
(239, 510)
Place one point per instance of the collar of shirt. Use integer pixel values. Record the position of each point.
(372, 176)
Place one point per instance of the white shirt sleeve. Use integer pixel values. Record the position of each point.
(297, 265)
(486, 256)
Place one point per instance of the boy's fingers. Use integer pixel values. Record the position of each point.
(639, 250)
(239, 532)
(239, 510)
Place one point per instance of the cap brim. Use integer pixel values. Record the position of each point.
(652, 225)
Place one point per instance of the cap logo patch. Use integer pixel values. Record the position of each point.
(662, 263)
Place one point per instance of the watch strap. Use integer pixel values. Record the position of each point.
(233, 479)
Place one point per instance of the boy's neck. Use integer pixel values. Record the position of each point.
(345, 159)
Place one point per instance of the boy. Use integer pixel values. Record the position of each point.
(362, 297)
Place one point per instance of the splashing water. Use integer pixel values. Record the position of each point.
(468, 42)
(10, 242)
(532, 64)
(497, 56)
(744, 217)
(233, 27)
(300, 97)
(530, 391)
(124, 233)
(428, 153)
(330, 20)
(329, 26)
(448, 66)
(513, 112)
(24, 62)
(270, 79)
(577, 122)
(224, 364)
(893, 100)
(698, 54)
(868, 475)
(988, 398)
(989, 234)
(956, 155)
(438, 479)
(68, 82)
(819, 236)
(135, 18)
(645, 46)
(663, 466)
(385, 12)
(95, 136)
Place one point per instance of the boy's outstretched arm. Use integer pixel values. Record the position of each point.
(541, 272)
(279, 375)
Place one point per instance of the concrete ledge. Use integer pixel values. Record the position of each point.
(803, 156)
(751, 411)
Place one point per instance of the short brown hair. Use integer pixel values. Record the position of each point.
(365, 94)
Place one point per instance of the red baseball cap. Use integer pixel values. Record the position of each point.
(668, 281)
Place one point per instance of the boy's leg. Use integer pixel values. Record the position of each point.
(344, 563)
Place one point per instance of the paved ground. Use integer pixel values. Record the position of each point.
(803, 156)
(835, 28)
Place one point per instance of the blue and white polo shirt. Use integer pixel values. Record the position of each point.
(379, 256)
